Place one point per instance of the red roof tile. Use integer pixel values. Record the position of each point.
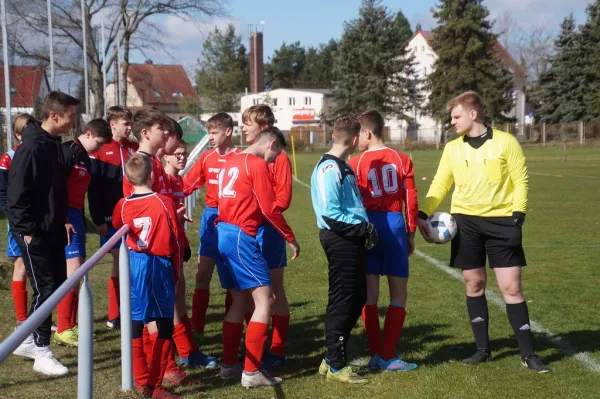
(25, 81)
(160, 84)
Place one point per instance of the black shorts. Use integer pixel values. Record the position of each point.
(497, 237)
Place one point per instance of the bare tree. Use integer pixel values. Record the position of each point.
(508, 30)
(535, 47)
(127, 25)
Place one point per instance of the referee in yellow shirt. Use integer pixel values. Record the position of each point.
(487, 168)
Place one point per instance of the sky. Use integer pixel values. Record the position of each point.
(317, 21)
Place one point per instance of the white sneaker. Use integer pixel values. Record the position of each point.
(27, 348)
(259, 378)
(47, 364)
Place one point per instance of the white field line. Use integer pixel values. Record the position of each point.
(556, 175)
(583, 357)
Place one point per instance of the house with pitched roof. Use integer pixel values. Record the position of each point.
(430, 129)
(27, 87)
(151, 86)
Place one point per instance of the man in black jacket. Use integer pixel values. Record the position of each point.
(37, 213)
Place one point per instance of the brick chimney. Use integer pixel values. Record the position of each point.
(256, 67)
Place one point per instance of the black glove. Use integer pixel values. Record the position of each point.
(518, 218)
(187, 254)
(372, 236)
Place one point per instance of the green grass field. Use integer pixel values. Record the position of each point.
(561, 286)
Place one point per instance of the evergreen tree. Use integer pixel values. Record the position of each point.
(285, 68)
(372, 64)
(223, 71)
(464, 44)
(562, 86)
(318, 67)
(590, 43)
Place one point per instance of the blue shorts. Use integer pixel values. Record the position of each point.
(272, 245)
(390, 255)
(208, 234)
(111, 232)
(12, 249)
(77, 247)
(152, 287)
(243, 266)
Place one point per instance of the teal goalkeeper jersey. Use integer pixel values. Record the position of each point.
(336, 198)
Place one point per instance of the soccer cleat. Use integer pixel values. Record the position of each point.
(396, 364)
(175, 376)
(259, 378)
(27, 348)
(479, 356)
(115, 323)
(46, 363)
(374, 362)
(324, 367)
(233, 371)
(68, 337)
(535, 363)
(143, 390)
(347, 375)
(199, 359)
(54, 328)
(163, 393)
(271, 360)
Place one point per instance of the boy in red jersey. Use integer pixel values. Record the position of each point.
(148, 127)
(385, 178)
(255, 119)
(153, 242)
(95, 134)
(246, 201)
(106, 189)
(183, 336)
(19, 282)
(206, 171)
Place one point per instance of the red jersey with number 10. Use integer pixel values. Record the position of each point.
(160, 184)
(206, 171)
(246, 196)
(153, 224)
(386, 180)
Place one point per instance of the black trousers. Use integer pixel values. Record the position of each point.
(347, 292)
(46, 268)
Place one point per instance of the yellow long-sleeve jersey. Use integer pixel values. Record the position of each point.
(489, 181)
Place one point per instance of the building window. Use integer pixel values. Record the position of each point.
(274, 102)
(255, 101)
(425, 71)
(291, 101)
(307, 100)
(422, 49)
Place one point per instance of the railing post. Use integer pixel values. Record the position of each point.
(125, 314)
(85, 355)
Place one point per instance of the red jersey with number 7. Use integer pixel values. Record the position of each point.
(246, 196)
(386, 181)
(153, 224)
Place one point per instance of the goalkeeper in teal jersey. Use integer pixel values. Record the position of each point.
(344, 233)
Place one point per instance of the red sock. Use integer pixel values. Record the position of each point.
(232, 336)
(281, 324)
(148, 343)
(256, 339)
(63, 312)
(75, 308)
(394, 321)
(19, 292)
(182, 341)
(188, 330)
(158, 365)
(248, 317)
(113, 298)
(171, 363)
(199, 309)
(228, 301)
(140, 366)
(370, 318)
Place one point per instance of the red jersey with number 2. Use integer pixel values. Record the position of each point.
(153, 224)
(160, 184)
(246, 197)
(386, 180)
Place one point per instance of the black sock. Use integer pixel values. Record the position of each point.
(518, 315)
(478, 314)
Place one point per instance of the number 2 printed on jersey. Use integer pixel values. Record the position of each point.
(228, 191)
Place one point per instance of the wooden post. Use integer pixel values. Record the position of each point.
(544, 134)
(565, 151)
(581, 134)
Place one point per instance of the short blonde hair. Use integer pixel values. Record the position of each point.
(261, 114)
(138, 169)
(471, 101)
(20, 121)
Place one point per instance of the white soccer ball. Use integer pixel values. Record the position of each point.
(443, 227)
